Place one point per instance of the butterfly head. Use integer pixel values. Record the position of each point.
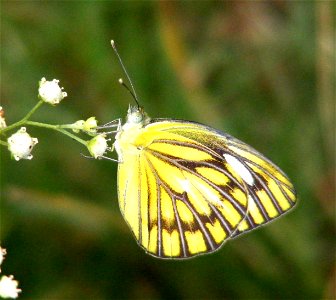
(136, 115)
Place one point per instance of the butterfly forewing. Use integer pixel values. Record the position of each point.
(185, 188)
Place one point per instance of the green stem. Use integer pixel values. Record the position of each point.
(14, 125)
(68, 126)
(24, 119)
(57, 128)
(2, 143)
(38, 104)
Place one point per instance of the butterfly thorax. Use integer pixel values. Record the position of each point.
(128, 139)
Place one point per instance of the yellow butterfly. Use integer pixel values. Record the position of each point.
(185, 188)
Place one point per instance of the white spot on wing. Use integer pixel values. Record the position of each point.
(185, 185)
(241, 170)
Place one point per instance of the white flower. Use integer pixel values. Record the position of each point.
(97, 146)
(20, 144)
(50, 91)
(2, 119)
(9, 287)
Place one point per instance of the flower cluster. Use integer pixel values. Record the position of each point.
(8, 286)
(20, 144)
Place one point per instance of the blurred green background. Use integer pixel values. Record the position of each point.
(261, 71)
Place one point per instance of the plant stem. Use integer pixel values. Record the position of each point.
(2, 143)
(57, 128)
(14, 125)
(38, 104)
(24, 119)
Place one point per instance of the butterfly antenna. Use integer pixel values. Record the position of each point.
(129, 90)
(132, 90)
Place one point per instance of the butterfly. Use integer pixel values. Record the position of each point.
(184, 188)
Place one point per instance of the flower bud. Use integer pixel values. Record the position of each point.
(50, 91)
(78, 125)
(90, 124)
(97, 146)
(20, 144)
